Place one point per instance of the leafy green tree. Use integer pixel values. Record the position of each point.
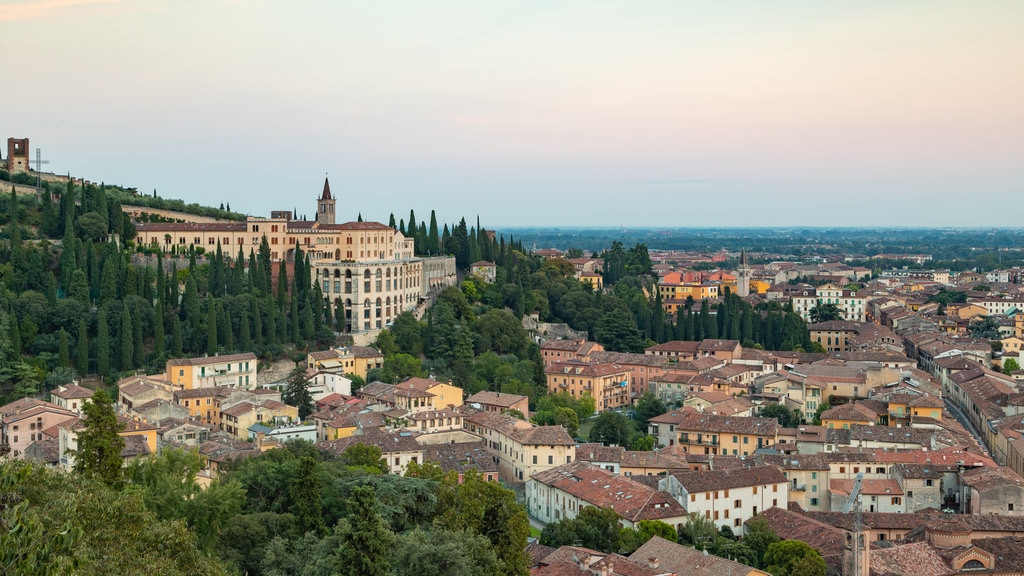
(366, 457)
(759, 536)
(1010, 365)
(784, 415)
(699, 532)
(568, 419)
(612, 428)
(633, 538)
(642, 443)
(825, 312)
(296, 392)
(365, 541)
(595, 528)
(99, 445)
(444, 553)
(489, 509)
(648, 407)
(306, 488)
(617, 331)
(793, 558)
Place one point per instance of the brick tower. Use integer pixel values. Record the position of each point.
(17, 155)
(743, 274)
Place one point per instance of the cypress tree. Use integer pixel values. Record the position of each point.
(63, 349)
(433, 239)
(293, 319)
(82, 358)
(127, 341)
(177, 343)
(225, 328)
(282, 285)
(159, 339)
(138, 351)
(211, 329)
(102, 344)
(244, 333)
(257, 324)
(391, 220)
(272, 335)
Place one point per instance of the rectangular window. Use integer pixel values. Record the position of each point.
(814, 501)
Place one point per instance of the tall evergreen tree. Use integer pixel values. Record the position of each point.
(63, 348)
(159, 337)
(211, 328)
(177, 340)
(82, 355)
(99, 445)
(127, 341)
(365, 538)
(102, 344)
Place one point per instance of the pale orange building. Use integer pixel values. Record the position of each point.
(605, 382)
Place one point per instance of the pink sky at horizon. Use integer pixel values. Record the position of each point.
(534, 113)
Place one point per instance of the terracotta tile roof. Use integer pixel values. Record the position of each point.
(365, 352)
(212, 359)
(697, 422)
(714, 345)
(239, 409)
(213, 391)
(495, 398)
(994, 477)
(375, 389)
(868, 487)
(583, 368)
(631, 500)
(918, 558)
(824, 538)
(23, 404)
(708, 480)
(544, 436)
(461, 456)
(135, 446)
(630, 359)
(388, 442)
(35, 411)
(143, 385)
(675, 346)
(687, 561)
(73, 391)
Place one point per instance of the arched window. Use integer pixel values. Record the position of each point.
(366, 281)
(378, 307)
(366, 308)
(379, 285)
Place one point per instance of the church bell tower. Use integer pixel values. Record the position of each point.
(325, 206)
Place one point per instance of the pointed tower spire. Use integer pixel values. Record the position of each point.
(327, 190)
(325, 206)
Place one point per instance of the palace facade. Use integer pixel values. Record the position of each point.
(367, 267)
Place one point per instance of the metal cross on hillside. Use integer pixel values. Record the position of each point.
(39, 165)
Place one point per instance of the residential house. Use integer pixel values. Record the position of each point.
(876, 495)
(606, 383)
(499, 402)
(728, 497)
(227, 370)
(71, 397)
(713, 433)
(138, 390)
(849, 304)
(22, 422)
(422, 394)
(461, 458)
(521, 448)
(398, 448)
(996, 490)
(357, 360)
(563, 491)
(552, 351)
(237, 418)
(484, 270)
(664, 556)
(203, 404)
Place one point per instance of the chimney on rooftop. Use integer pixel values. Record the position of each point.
(653, 562)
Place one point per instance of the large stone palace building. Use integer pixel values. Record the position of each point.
(367, 267)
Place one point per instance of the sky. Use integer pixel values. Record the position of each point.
(668, 113)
